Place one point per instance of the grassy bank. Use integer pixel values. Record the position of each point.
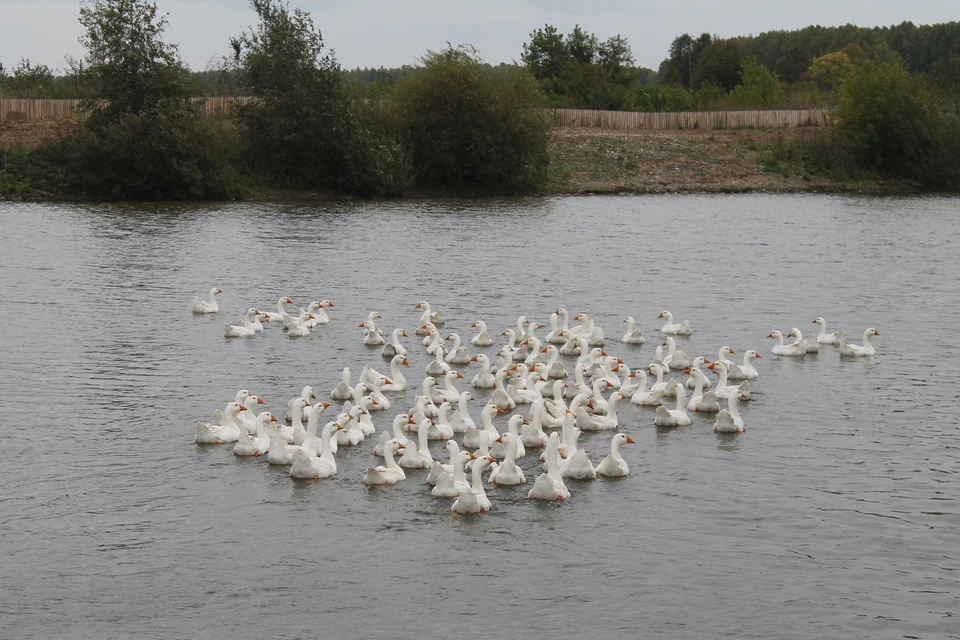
(586, 161)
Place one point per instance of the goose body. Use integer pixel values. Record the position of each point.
(243, 330)
(673, 417)
(475, 500)
(482, 339)
(343, 390)
(729, 420)
(856, 350)
(614, 466)
(391, 472)
(745, 371)
(674, 328)
(701, 401)
(549, 485)
(394, 348)
(823, 337)
(207, 306)
(633, 334)
(507, 472)
(794, 350)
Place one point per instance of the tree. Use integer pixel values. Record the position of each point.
(685, 52)
(27, 80)
(582, 46)
(616, 60)
(546, 53)
(300, 130)
(467, 126)
(720, 64)
(758, 87)
(832, 69)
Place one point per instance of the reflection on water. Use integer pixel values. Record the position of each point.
(834, 515)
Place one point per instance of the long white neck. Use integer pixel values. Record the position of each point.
(564, 319)
(732, 403)
(538, 416)
(312, 422)
(511, 457)
(866, 338)
(722, 372)
(615, 450)
(345, 377)
(422, 442)
(671, 347)
(823, 329)
(659, 372)
(326, 448)
(779, 338)
(478, 468)
(456, 343)
(553, 323)
(213, 297)
(297, 418)
(396, 337)
(698, 378)
(395, 371)
(681, 398)
(579, 375)
(630, 325)
(612, 405)
(488, 423)
(553, 457)
(458, 475)
(390, 462)
(280, 308)
(667, 317)
(398, 429)
(643, 380)
(569, 436)
(248, 319)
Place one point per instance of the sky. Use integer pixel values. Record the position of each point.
(374, 33)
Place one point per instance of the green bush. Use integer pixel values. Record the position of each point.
(468, 127)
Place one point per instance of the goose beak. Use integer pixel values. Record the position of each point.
(273, 418)
(242, 408)
(759, 356)
(712, 365)
(404, 334)
(602, 352)
(418, 306)
(330, 304)
(875, 332)
(288, 301)
(525, 421)
(813, 322)
(631, 440)
(260, 401)
(406, 362)
(459, 375)
(733, 352)
(688, 371)
(770, 335)
(499, 410)
(707, 361)
(660, 316)
(473, 359)
(500, 440)
(361, 324)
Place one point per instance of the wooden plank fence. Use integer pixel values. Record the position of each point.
(24, 109)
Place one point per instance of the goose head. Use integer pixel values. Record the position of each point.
(621, 439)
(666, 315)
(326, 303)
(776, 335)
(820, 321)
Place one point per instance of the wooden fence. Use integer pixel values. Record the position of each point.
(18, 109)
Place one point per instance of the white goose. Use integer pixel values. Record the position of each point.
(498, 449)
(701, 401)
(281, 310)
(675, 358)
(577, 464)
(501, 398)
(729, 420)
(298, 327)
(207, 433)
(723, 390)
(396, 381)
(608, 421)
(614, 466)
(244, 330)
(555, 368)
(461, 420)
(418, 457)
(786, 350)
(320, 313)
(695, 366)
(532, 434)
(856, 350)
(823, 337)
(549, 485)
(391, 472)
(458, 353)
(556, 335)
(254, 446)
(306, 393)
(305, 466)
(436, 317)
(394, 348)
(343, 390)
(211, 306)
(674, 329)
(399, 422)
(437, 366)
(371, 337)
(648, 397)
(745, 371)
(474, 438)
(507, 472)
(475, 500)
(633, 334)
(482, 339)
(674, 417)
(451, 485)
(452, 449)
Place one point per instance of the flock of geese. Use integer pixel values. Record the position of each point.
(528, 371)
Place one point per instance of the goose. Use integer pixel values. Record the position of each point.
(244, 330)
(698, 362)
(701, 401)
(498, 448)
(250, 402)
(441, 430)
(722, 356)
(674, 329)
(507, 472)
(451, 485)
(298, 328)
(667, 388)
(577, 464)
(608, 421)
(598, 404)
(856, 350)
(658, 360)
(450, 393)
(437, 366)
(399, 422)
(371, 337)
(549, 485)
(372, 318)
(313, 413)
(633, 334)
(528, 392)
(257, 325)
(461, 420)
(350, 434)
(555, 368)
(575, 346)
(279, 452)
(614, 466)
(254, 446)
(745, 371)
(394, 348)
(482, 339)
(343, 390)
(418, 457)
(452, 449)
(216, 434)
(511, 346)
(429, 332)
(532, 434)
(501, 398)
(458, 353)
(673, 417)
(588, 330)
(436, 317)
(729, 420)
(556, 335)
(201, 306)
(809, 345)
(396, 381)
(786, 350)
(555, 407)
(723, 390)
(675, 358)
(432, 393)
(296, 431)
(627, 387)
(307, 394)
(391, 473)
(320, 313)
(306, 466)
(823, 337)
(535, 349)
(647, 397)
(472, 437)
(475, 500)
(579, 384)
(311, 310)
(434, 342)
(281, 310)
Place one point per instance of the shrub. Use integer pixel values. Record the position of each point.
(468, 127)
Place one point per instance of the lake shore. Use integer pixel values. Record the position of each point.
(603, 162)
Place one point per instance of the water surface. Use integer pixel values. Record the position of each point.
(835, 515)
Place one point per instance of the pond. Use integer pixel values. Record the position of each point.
(835, 514)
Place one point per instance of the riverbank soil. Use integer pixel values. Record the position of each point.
(31, 133)
(693, 160)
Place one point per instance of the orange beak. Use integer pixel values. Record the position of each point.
(712, 365)
(631, 440)
(260, 401)
(242, 408)
(759, 356)
(404, 334)
(473, 359)
(688, 371)
(660, 316)
(602, 352)
(875, 332)
(813, 322)
(473, 326)
(459, 375)
(273, 418)
(733, 352)
(330, 303)
(406, 362)
(418, 306)
(770, 335)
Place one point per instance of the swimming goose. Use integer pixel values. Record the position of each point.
(675, 358)
(391, 473)
(399, 422)
(614, 466)
(437, 366)
(436, 317)
(244, 330)
(201, 306)
(809, 345)
(695, 366)
(458, 353)
(475, 500)
(418, 457)
(674, 329)
(207, 433)
(371, 337)
(343, 390)
(461, 420)
(501, 398)
(306, 466)
(482, 339)
(306, 393)
(452, 484)
(248, 445)
(394, 348)
(320, 313)
(281, 310)
(556, 335)
(577, 464)
(633, 334)
(608, 421)
(723, 390)
(298, 327)
(507, 472)
(729, 420)
(472, 437)
(823, 337)
(532, 434)
(396, 381)
(856, 350)
(674, 417)
(549, 485)
(296, 431)
(452, 449)
(498, 448)
(745, 371)
(786, 350)
(701, 401)
(441, 429)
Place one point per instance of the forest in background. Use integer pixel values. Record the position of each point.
(454, 121)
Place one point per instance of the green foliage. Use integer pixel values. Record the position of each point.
(26, 80)
(546, 53)
(832, 70)
(812, 152)
(720, 64)
(759, 89)
(685, 52)
(300, 131)
(467, 127)
(663, 98)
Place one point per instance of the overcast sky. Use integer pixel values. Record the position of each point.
(373, 33)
